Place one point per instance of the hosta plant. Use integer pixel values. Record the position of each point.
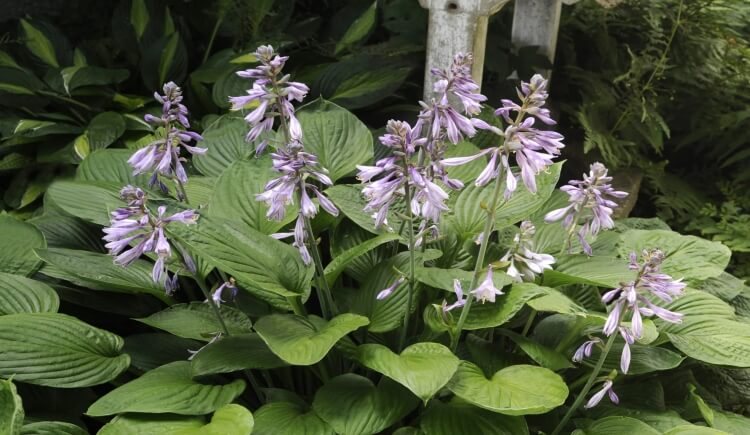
(316, 280)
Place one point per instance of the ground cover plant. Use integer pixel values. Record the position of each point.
(298, 275)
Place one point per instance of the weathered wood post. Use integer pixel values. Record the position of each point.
(457, 26)
(536, 22)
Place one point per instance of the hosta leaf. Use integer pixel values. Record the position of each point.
(141, 347)
(233, 197)
(17, 243)
(150, 424)
(617, 425)
(287, 418)
(89, 200)
(353, 405)
(53, 428)
(458, 418)
(58, 351)
(225, 141)
(335, 136)
(541, 354)
(267, 268)
(348, 198)
(515, 390)
(342, 260)
(98, 271)
(693, 429)
(169, 388)
(110, 165)
(11, 409)
(581, 269)
(469, 209)
(24, 295)
(69, 232)
(104, 129)
(644, 359)
(553, 301)
(197, 320)
(39, 44)
(230, 418)
(731, 423)
(234, 353)
(443, 278)
(358, 30)
(305, 341)
(688, 257)
(423, 368)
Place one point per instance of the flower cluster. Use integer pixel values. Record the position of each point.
(635, 298)
(533, 148)
(486, 291)
(591, 201)
(524, 263)
(273, 94)
(163, 155)
(135, 231)
(228, 286)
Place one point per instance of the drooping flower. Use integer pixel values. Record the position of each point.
(635, 298)
(162, 156)
(606, 389)
(273, 93)
(485, 291)
(534, 149)
(460, 300)
(383, 294)
(585, 350)
(134, 231)
(591, 205)
(229, 286)
(525, 264)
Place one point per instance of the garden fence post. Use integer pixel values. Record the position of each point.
(457, 26)
(536, 22)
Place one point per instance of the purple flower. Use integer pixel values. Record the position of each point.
(226, 286)
(460, 300)
(274, 93)
(383, 294)
(606, 390)
(585, 350)
(591, 205)
(487, 290)
(534, 149)
(525, 264)
(162, 156)
(134, 231)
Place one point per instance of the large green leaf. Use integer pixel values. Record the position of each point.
(582, 269)
(98, 271)
(339, 139)
(197, 320)
(228, 419)
(58, 351)
(541, 354)
(89, 200)
(225, 141)
(233, 197)
(11, 409)
(52, 428)
(443, 278)
(457, 418)
(693, 429)
(39, 44)
(150, 424)
(470, 207)
(17, 243)
(169, 388)
(69, 232)
(343, 259)
(267, 268)
(287, 418)
(104, 129)
(24, 295)
(234, 353)
(358, 30)
(141, 347)
(110, 165)
(305, 341)
(423, 368)
(617, 425)
(688, 257)
(515, 390)
(353, 405)
(644, 359)
(554, 301)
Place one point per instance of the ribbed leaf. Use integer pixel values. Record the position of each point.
(234, 353)
(358, 30)
(287, 418)
(617, 426)
(24, 295)
(198, 321)
(11, 409)
(582, 269)
(17, 243)
(225, 141)
(541, 354)
(69, 232)
(423, 368)
(150, 424)
(110, 165)
(305, 341)
(228, 419)
(336, 136)
(39, 44)
(58, 351)
(141, 347)
(342, 260)
(169, 388)
(53, 428)
(348, 198)
(89, 200)
(515, 390)
(353, 405)
(458, 418)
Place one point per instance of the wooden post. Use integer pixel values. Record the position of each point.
(457, 26)
(536, 22)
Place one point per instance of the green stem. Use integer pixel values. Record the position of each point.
(586, 388)
(529, 322)
(488, 226)
(214, 32)
(412, 268)
(66, 99)
(328, 307)
(181, 190)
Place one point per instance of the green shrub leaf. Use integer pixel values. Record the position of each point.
(11, 409)
(24, 295)
(457, 418)
(287, 418)
(197, 320)
(17, 243)
(234, 353)
(225, 141)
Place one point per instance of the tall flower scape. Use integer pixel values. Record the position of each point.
(407, 254)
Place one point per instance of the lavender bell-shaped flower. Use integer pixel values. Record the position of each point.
(162, 156)
(273, 93)
(525, 264)
(591, 205)
(135, 231)
(485, 291)
(534, 149)
(229, 286)
(605, 390)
